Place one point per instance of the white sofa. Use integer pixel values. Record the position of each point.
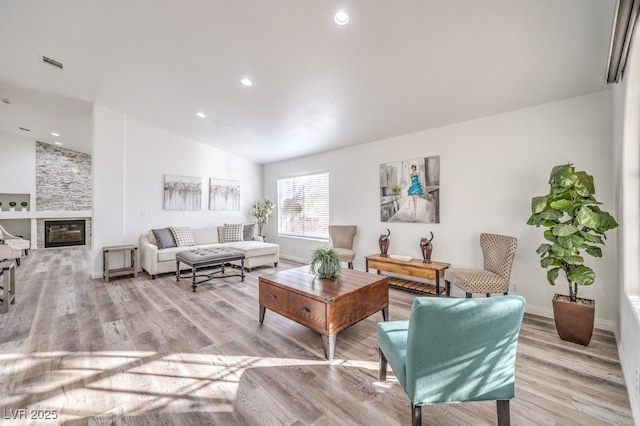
(158, 261)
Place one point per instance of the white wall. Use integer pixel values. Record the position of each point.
(490, 170)
(131, 159)
(19, 177)
(19, 167)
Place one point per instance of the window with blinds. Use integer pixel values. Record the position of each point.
(303, 206)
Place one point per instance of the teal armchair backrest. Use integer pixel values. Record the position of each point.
(462, 349)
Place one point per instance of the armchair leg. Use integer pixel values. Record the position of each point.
(468, 295)
(350, 265)
(504, 415)
(447, 286)
(383, 367)
(416, 412)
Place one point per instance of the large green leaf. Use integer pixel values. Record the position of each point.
(563, 230)
(574, 241)
(550, 261)
(594, 251)
(539, 204)
(548, 235)
(544, 248)
(552, 275)
(564, 205)
(584, 184)
(574, 260)
(582, 275)
(562, 175)
(596, 239)
(594, 218)
(561, 252)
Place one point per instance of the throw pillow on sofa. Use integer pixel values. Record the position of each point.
(183, 236)
(248, 232)
(164, 238)
(233, 232)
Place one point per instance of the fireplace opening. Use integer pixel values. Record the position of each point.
(63, 233)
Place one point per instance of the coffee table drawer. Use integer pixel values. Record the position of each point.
(309, 312)
(272, 297)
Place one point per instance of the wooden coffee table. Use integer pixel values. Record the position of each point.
(325, 306)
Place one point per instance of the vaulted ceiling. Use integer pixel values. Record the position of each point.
(397, 67)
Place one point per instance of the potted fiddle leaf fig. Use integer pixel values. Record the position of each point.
(325, 262)
(575, 226)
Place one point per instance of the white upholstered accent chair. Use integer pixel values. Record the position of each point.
(342, 237)
(498, 252)
(18, 245)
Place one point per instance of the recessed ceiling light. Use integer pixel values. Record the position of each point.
(246, 82)
(55, 134)
(341, 17)
(201, 114)
(57, 143)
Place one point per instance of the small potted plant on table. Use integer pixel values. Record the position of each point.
(24, 205)
(325, 262)
(12, 206)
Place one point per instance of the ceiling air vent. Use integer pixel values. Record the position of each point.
(52, 62)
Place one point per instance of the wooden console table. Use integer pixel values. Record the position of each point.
(414, 268)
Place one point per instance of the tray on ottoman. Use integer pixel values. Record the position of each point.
(207, 258)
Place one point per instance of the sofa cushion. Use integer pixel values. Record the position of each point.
(164, 238)
(254, 248)
(170, 253)
(249, 231)
(233, 232)
(183, 236)
(205, 236)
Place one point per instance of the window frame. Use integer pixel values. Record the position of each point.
(322, 215)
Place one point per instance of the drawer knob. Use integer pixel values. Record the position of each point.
(273, 297)
(305, 309)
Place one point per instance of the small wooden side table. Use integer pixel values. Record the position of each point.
(413, 268)
(8, 271)
(127, 270)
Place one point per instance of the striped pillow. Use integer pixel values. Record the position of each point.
(183, 236)
(233, 232)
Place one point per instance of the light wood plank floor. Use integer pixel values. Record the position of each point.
(142, 351)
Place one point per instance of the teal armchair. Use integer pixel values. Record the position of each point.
(454, 350)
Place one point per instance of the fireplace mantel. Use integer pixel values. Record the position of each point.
(45, 214)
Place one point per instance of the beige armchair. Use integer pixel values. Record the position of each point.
(498, 252)
(342, 237)
(16, 244)
(6, 252)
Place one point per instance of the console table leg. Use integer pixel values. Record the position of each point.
(329, 343)
(385, 313)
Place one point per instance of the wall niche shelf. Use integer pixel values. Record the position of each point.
(5, 199)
